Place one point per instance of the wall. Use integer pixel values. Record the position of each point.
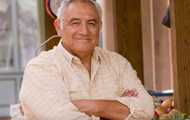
(128, 32)
(157, 53)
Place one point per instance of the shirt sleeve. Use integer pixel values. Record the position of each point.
(141, 106)
(44, 92)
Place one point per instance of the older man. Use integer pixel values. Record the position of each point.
(79, 81)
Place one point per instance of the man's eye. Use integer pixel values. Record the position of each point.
(75, 23)
(92, 24)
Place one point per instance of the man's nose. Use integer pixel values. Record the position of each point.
(84, 29)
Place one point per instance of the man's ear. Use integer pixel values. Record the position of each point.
(57, 24)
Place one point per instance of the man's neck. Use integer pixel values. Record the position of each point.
(86, 61)
(84, 57)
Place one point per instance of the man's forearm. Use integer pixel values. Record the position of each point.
(110, 109)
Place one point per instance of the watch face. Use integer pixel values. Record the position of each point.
(52, 7)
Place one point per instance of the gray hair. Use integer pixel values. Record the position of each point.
(66, 3)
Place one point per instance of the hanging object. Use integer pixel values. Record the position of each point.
(52, 7)
(166, 20)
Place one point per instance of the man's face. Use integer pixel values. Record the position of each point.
(81, 28)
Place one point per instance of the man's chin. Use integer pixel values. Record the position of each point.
(85, 50)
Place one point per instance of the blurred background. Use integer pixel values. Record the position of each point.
(131, 28)
(19, 37)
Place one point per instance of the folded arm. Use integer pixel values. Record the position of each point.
(141, 106)
(136, 105)
(44, 95)
(109, 109)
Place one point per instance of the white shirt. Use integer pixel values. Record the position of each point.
(54, 78)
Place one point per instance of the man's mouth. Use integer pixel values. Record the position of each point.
(83, 39)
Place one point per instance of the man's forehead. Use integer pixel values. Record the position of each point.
(81, 9)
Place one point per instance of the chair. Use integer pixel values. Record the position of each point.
(16, 113)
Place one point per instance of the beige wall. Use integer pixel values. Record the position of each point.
(156, 45)
(157, 68)
(148, 44)
(109, 33)
(162, 46)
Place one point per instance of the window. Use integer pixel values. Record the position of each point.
(19, 37)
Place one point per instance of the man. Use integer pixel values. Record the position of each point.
(79, 81)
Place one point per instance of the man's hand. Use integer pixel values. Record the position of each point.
(130, 93)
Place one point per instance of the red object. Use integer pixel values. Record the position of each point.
(156, 115)
(49, 9)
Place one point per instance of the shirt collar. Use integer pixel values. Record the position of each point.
(96, 55)
(69, 57)
(64, 52)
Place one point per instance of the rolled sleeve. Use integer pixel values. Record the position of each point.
(46, 96)
(141, 106)
(138, 111)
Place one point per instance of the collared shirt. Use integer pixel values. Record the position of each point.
(54, 78)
